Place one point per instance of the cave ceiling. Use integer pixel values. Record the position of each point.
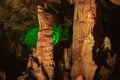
(22, 14)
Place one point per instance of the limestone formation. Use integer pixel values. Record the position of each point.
(44, 49)
(83, 40)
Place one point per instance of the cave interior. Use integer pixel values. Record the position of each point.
(18, 33)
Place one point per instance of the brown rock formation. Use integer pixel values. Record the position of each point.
(83, 41)
(117, 2)
(18, 14)
(43, 52)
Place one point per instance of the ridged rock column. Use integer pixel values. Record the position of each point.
(41, 60)
(44, 48)
(83, 40)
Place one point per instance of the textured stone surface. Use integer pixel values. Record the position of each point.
(18, 14)
(83, 39)
(117, 2)
(44, 49)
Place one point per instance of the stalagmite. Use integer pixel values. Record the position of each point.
(41, 61)
(83, 40)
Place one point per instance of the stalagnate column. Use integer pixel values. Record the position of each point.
(41, 60)
(44, 48)
(83, 40)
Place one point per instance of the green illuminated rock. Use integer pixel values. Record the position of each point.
(59, 33)
(56, 33)
(31, 37)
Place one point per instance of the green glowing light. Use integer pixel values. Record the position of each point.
(31, 37)
(59, 33)
(57, 30)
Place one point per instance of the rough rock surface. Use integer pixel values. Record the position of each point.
(44, 49)
(18, 14)
(83, 39)
(117, 2)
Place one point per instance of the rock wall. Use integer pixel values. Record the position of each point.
(18, 14)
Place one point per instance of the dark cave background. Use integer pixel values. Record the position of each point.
(17, 16)
(108, 25)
